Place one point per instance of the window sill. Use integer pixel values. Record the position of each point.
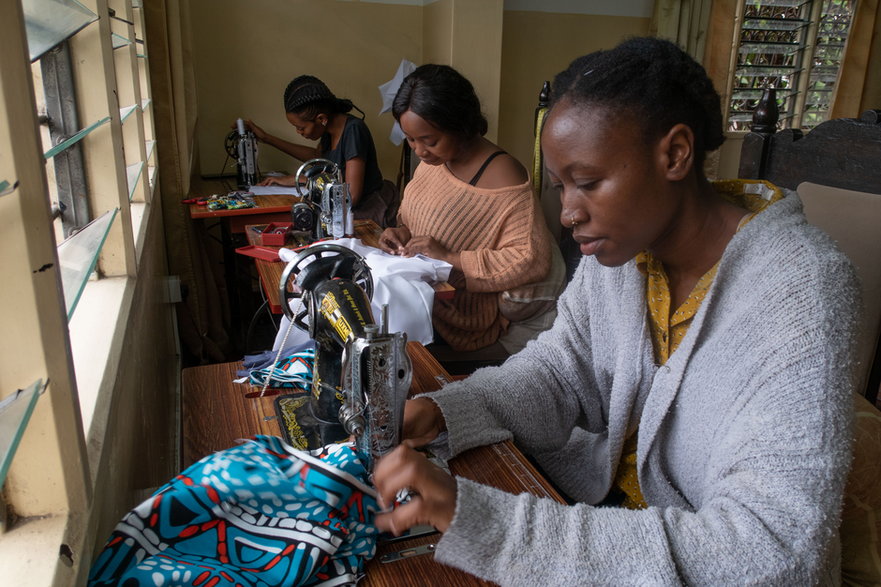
(96, 332)
(29, 548)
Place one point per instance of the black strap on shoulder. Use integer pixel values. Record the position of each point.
(483, 167)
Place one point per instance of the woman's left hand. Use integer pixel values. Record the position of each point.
(425, 245)
(433, 491)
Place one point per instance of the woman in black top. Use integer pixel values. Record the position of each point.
(318, 114)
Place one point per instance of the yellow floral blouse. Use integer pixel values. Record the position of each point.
(668, 329)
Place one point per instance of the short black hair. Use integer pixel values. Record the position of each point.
(444, 97)
(307, 96)
(654, 82)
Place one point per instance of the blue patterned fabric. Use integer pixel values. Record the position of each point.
(260, 514)
(294, 371)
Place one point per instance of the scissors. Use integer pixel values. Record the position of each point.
(199, 201)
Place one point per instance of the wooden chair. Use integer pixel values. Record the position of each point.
(836, 168)
(547, 195)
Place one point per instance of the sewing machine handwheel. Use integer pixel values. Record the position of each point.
(310, 169)
(360, 274)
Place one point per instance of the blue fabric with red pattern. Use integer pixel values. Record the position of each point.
(259, 514)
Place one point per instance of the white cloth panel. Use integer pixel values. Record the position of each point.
(404, 283)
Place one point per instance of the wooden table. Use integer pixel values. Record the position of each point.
(269, 208)
(216, 413)
(270, 272)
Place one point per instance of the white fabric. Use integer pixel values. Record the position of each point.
(271, 190)
(404, 283)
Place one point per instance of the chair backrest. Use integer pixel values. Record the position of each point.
(836, 169)
(548, 196)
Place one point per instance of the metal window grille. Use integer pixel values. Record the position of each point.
(59, 93)
(794, 46)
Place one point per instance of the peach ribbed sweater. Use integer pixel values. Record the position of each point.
(503, 241)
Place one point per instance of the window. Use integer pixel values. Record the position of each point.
(77, 161)
(794, 46)
(77, 73)
(92, 100)
(68, 47)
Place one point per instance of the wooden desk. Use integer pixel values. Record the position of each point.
(269, 208)
(216, 413)
(270, 272)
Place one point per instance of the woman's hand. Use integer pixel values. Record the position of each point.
(423, 421)
(258, 132)
(285, 180)
(429, 247)
(393, 240)
(433, 491)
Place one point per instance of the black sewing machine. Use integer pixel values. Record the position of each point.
(325, 209)
(362, 373)
(241, 145)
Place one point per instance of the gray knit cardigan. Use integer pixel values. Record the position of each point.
(744, 434)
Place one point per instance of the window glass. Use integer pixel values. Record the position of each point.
(49, 22)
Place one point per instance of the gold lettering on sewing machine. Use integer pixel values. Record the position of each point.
(355, 308)
(330, 308)
(289, 407)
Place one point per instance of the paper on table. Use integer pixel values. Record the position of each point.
(269, 190)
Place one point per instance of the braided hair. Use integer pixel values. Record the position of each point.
(307, 97)
(444, 97)
(652, 81)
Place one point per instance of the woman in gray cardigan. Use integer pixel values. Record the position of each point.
(742, 431)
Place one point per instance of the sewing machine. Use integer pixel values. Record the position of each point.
(325, 209)
(241, 145)
(362, 373)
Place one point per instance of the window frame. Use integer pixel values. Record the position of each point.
(51, 505)
(793, 113)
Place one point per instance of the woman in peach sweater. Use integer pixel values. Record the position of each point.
(469, 204)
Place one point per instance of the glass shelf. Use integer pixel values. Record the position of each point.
(145, 103)
(133, 173)
(151, 146)
(78, 255)
(756, 93)
(15, 412)
(49, 22)
(766, 70)
(774, 24)
(126, 112)
(777, 3)
(119, 41)
(74, 139)
(770, 48)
